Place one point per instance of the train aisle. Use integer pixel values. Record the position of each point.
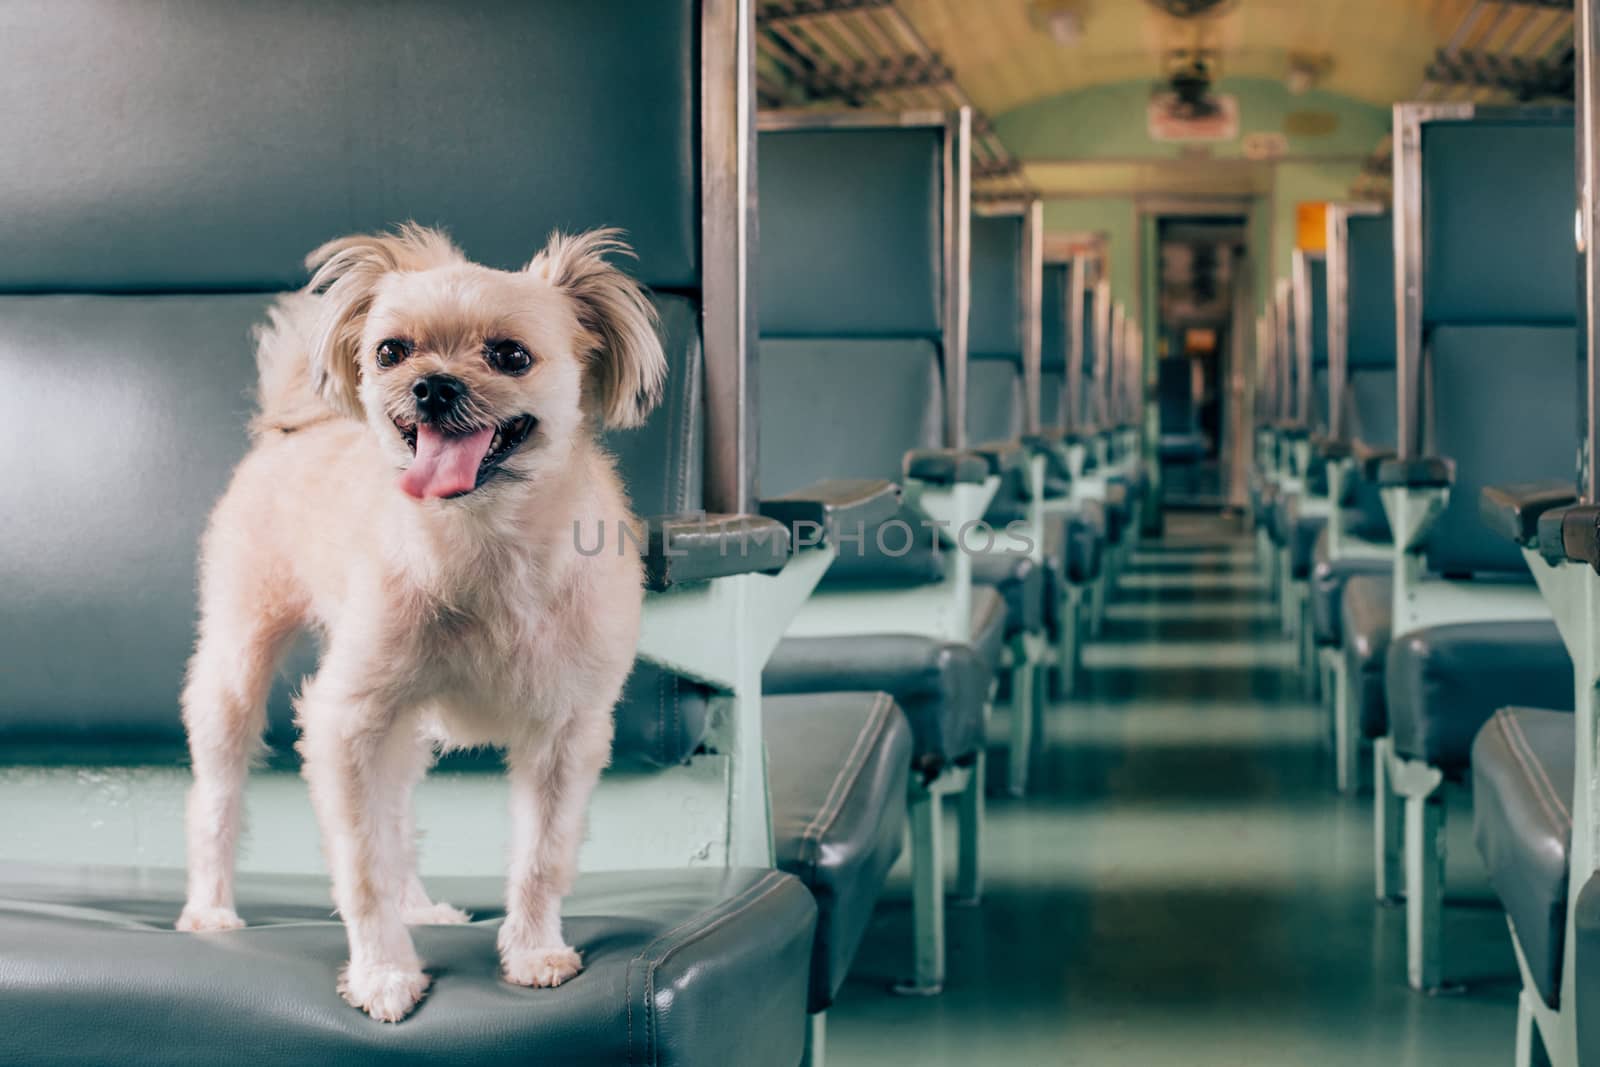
(1182, 886)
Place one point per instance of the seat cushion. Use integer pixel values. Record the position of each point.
(1021, 584)
(1443, 683)
(1522, 778)
(838, 770)
(1115, 510)
(1365, 609)
(1304, 530)
(988, 626)
(1281, 526)
(941, 686)
(680, 966)
(1072, 548)
(1328, 578)
(1082, 548)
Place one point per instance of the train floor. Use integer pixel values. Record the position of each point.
(1182, 886)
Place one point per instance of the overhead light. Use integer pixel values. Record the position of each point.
(1063, 20)
(1066, 28)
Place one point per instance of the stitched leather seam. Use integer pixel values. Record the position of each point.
(770, 883)
(1522, 763)
(628, 981)
(691, 405)
(1536, 768)
(848, 774)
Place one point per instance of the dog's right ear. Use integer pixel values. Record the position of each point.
(345, 275)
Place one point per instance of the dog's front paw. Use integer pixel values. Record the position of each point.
(435, 915)
(542, 967)
(386, 993)
(201, 920)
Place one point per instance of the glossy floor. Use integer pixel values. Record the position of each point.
(1182, 886)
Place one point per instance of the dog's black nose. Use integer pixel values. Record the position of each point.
(436, 394)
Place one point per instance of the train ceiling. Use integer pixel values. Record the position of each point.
(1000, 54)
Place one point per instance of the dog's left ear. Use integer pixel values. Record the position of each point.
(627, 367)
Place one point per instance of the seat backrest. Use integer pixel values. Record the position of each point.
(153, 200)
(1053, 339)
(853, 301)
(1369, 262)
(1317, 328)
(996, 391)
(1096, 338)
(1175, 394)
(1361, 246)
(1498, 311)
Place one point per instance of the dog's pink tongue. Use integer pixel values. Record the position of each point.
(445, 466)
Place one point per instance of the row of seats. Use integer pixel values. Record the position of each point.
(810, 686)
(1412, 504)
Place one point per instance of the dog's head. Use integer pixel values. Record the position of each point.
(469, 375)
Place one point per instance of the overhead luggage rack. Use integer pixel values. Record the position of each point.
(828, 54)
(1502, 51)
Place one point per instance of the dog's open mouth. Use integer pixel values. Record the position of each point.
(454, 464)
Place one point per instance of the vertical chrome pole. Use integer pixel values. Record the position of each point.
(1032, 304)
(1077, 288)
(957, 280)
(727, 252)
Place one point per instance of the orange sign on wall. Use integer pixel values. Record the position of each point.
(1311, 227)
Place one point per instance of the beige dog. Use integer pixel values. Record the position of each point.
(426, 443)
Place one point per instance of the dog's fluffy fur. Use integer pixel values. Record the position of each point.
(448, 618)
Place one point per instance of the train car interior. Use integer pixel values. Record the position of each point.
(785, 533)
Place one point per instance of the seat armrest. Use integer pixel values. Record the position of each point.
(1003, 457)
(945, 466)
(1292, 430)
(832, 504)
(1423, 472)
(1513, 510)
(1049, 446)
(1369, 458)
(1571, 533)
(1331, 448)
(1044, 443)
(698, 547)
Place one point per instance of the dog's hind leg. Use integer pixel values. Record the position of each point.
(551, 781)
(349, 743)
(224, 712)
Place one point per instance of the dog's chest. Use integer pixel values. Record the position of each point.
(521, 650)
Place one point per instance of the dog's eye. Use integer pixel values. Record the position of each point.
(507, 357)
(392, 351)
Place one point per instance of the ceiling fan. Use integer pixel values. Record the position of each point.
(1190, 76)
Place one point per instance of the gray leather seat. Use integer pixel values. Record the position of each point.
(1443, 683)
(1586, 967)
(1328, 579)
(940, 685)
(1021, 584)
(1116, 509)
(838, 812)
(1076, 541)
(997, 401)
(1522, 793)
(851, 299)
(1368, 600)
(693, 967)
(1304, 532)
(107, 261)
